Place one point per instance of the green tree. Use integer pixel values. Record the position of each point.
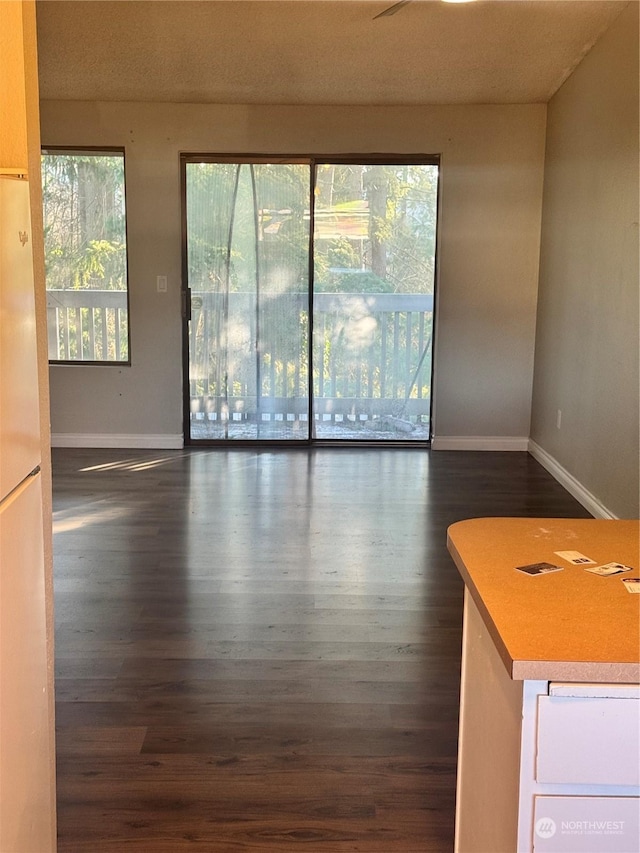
(84, 221)
(388, 242)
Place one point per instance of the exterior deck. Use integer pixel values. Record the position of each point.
(371, 374)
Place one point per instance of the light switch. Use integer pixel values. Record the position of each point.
(161, 282)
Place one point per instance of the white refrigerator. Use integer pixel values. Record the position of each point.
(24, 708)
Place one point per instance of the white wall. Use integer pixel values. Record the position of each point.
(492, 174)
(587, 356)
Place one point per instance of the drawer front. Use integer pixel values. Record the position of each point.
(588, 741)
(586, 824)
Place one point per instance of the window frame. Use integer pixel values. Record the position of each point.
(313, 161)
(97, 150)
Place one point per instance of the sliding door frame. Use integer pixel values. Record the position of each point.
(313, 162)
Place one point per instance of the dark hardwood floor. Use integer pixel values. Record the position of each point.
(260, 651)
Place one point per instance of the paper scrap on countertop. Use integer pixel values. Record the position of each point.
(608, 569)
(574, 557)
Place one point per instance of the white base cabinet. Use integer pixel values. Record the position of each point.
(543, 767)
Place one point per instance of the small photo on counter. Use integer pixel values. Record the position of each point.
(632, 584)
(539, 568)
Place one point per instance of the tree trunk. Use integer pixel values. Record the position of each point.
(376, 188)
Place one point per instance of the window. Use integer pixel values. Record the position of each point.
(85, 248)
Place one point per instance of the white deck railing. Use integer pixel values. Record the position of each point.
(376, 349)
(87, 325)
(375, 355)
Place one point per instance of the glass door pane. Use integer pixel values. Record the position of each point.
(248, 274)
(374, 260)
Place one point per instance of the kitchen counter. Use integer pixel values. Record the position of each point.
(569, 625)
(549, 745)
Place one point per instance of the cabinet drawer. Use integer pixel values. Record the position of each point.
(586, 824)
(588, 740)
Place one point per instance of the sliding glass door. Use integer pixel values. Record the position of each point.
(272, 355)
(248, 282)
(374, 262)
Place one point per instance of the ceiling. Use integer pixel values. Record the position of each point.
(314, 51)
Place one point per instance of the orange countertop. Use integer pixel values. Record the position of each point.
(562, 626)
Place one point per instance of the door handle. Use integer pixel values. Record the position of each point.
(186, 304)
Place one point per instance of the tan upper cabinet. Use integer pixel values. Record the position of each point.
(13, 126)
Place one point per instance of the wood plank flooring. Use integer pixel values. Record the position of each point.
(260, 651)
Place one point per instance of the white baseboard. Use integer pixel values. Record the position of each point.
(480, 442)
(575, 488)
(123, 441)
